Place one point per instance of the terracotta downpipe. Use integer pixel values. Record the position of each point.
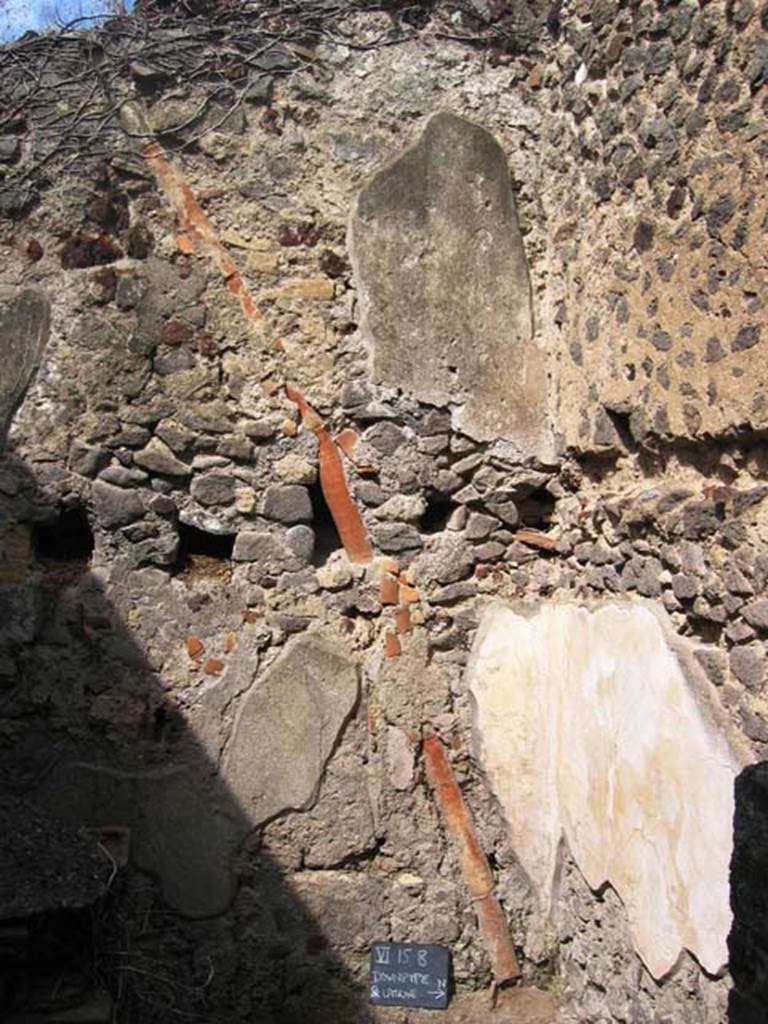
(196, 233)
(458, 823)
(334, 485)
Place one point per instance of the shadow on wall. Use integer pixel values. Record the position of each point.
(748, 941)
(89, 736)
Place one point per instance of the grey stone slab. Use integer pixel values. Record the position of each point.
(184, 826)
(25, 316)
(115, 506)
(287, 726)
(444, 285)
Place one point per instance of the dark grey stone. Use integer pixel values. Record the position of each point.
(121, 476)
(661, 340)
(173, 360)
(710, 611)
(659, 57)
(700, 519)
(178, 437)
(301, 540)
(755, 728)
(480, 526)
(713, 662)
(756, 614)
(259, 90)
(396, 537)
(449, 561)
(370, 493)
(491, 551)
(157, 457)
(289, 503)
(736, 581)
(10, 147)
(504, 510)
(386, 438)
(213, 489)
(738, 632)
(686, 587)
(237, 448)
(746, 337)
(271, 552)
(87, 460)
(454, 592)
(115, 506)
(748, 664)
(129, 291)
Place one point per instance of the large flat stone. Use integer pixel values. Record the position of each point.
(286, 728)
(185, 827)
(24, 325)
(444, 286)
(597, 725)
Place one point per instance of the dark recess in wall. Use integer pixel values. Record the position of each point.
(68, 539)
(327, 538)
(537, 509)
(748, 941)
(437, 512)
(194, 541)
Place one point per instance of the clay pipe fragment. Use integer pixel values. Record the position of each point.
(458, 824)
(333, 484)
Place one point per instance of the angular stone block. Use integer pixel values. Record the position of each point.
(599, 726)
(444, 286)
(25, 316)
(287, 726)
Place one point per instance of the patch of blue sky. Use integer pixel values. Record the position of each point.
(20, 16)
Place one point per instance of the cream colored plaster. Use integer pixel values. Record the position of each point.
(590, 727)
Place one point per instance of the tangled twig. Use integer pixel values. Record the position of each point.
(63, 89)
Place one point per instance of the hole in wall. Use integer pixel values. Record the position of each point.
(56, 970)
(620, 421)
(537, 509)
(167, 725)
(437, 513)
(203, 553)
(327, 539)
(67, 542)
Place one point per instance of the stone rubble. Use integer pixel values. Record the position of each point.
(157, 487)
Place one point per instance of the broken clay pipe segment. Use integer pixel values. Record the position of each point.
(196, 233)
(458, 824)
(333, 484)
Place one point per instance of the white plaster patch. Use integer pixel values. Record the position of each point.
(589, 726)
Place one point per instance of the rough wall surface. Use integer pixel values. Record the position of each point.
(164, 534)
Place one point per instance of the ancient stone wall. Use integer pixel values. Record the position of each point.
(550, 389)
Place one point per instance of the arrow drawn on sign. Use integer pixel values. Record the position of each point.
(441, 989)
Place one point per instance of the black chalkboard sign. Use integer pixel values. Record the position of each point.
(409, 974)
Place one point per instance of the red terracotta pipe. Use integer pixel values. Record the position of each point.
(333, 484)
(458, 824)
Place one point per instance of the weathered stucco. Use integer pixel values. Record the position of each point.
(24, 326)
(444, 285)
(589, 727)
